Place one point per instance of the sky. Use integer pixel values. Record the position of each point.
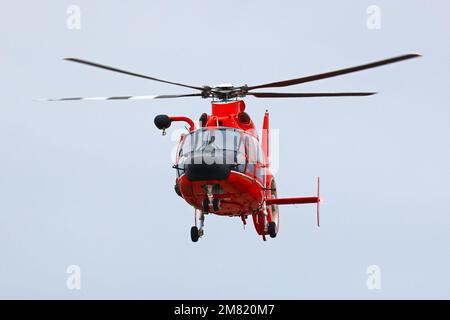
(90, 184)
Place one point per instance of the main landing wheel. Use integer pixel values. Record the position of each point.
(272, 228)
(194, 234)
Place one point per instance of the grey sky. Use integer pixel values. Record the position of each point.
(91, 183)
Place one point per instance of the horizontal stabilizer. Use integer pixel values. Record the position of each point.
(293, 200)
(299, 200)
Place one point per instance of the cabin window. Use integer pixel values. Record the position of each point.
(260, 173)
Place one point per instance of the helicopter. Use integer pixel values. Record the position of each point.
(223, 166)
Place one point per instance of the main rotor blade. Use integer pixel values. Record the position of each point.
(335, 73)
(308, 95)
(165, 96)
(94, 64)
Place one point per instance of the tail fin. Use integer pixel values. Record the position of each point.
(318, 202)
(265, 138)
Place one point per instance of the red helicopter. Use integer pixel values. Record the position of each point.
(222, 167)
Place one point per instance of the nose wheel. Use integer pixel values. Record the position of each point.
(196, 232)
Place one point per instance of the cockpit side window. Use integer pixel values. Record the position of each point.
(251, 155)
(259, 154)
(240, 154)
(186, 145)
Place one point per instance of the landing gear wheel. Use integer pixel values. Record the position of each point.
(205, 205)
(216, 204)
(272, 228)
(194, 234)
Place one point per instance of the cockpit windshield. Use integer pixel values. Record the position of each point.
(227, 145)
(219, 139)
